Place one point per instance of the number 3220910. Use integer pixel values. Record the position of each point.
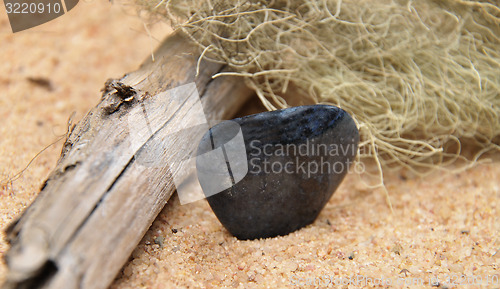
(33, 8)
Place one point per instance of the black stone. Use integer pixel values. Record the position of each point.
(282, 191)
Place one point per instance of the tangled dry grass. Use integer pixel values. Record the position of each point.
(420, 78)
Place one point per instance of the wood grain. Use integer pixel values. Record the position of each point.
(100, 199)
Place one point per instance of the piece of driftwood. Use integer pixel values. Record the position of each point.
(100, 199)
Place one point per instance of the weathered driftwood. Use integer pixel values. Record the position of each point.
(99, 201)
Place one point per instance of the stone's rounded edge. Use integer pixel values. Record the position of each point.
(314, 120)
(292, 111)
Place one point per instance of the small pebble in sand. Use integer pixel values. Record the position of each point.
(296, 159)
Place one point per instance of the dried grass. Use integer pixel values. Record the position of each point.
(419, 77)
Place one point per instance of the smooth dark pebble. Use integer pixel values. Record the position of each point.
(269, 201)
